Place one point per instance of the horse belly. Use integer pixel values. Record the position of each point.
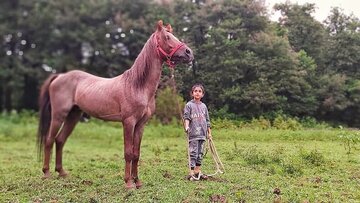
(100, 107)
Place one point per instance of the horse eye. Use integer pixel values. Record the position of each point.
(167, 37)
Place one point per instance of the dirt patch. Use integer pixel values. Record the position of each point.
(217, 198)
(277, 198)
(317, 179)
(167, 175)
(217, 179)
(87, 182)
(277, 191)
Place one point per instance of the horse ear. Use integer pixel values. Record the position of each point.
(160, 25)
(169, 28)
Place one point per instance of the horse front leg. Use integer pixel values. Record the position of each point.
(137, 143)
(139, 129)
(128, 126)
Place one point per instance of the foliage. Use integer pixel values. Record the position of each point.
(313, 157)
(284, 123)
(304, 32)
(310, 122)
(169, 106)
(249, 65)
(258, 123)
(350, 139)
(218, 123)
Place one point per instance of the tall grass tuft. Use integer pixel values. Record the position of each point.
(314, 157)
(254, 156)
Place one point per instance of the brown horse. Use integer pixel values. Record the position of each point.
(129, 98)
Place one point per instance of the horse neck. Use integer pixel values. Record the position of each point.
(146, 70)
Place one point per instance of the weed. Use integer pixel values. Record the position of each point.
(292, 166)
(253, 156)
(350, 139)
(157, 151)
(276, 155)
(313, 157)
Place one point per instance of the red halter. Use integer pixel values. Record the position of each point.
(170, 55)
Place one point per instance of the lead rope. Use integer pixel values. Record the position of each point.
(210, 142)
(216, 158)
(182, 119)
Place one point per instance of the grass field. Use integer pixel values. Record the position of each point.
(261, 166)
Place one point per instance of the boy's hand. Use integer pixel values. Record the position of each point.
(187, 129)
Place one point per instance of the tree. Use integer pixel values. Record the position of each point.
(304, 32)
(344, 44)
(341, 103)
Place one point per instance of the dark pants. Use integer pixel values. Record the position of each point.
(196, 150)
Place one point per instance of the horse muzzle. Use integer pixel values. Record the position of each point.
(183, 55)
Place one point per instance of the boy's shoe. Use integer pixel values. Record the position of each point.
(197, 176)
(190, 177)
(194, 177)
(203, 177)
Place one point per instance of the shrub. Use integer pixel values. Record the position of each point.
(258, 123)
(169, 106)
(223, 113)
(22, 117)
(283, 123)
(310, 122)
(218, 123)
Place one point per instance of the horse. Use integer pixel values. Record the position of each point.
(128, 98)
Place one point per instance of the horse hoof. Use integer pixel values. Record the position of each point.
(138, 184)
(62, 173)
(46, 176)
(129, 186)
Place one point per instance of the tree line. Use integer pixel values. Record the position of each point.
(250, 66)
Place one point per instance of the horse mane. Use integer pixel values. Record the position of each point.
(138, 73)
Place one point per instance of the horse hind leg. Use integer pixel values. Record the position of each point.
(69, 125)
(55, 125)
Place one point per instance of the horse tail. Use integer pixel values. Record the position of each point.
(44, 113)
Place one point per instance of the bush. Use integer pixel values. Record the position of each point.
(219, 123)
(223, 113)
(169, 106)
(258, 123)
(310, 122)
(22, 117)
(283, 123)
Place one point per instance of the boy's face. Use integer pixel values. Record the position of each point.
(197, 93)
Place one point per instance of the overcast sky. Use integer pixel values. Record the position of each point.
(323, 7)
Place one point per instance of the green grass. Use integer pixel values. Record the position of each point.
(305, 165)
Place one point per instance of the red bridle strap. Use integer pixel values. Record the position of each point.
(170, 55)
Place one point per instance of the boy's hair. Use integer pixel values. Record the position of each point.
(198, 85)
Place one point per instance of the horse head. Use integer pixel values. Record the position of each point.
(170, 48)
